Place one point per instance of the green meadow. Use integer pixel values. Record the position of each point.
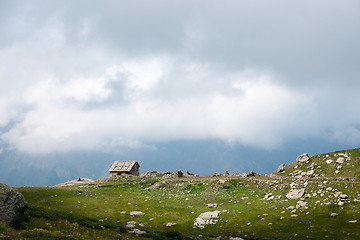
(102, 210)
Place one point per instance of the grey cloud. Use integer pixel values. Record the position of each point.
(306, 51)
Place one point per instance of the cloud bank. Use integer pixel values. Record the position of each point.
(116, 75)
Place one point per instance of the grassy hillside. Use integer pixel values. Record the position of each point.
(250, 207)
(327, 165)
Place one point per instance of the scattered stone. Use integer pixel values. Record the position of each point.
(337, 194)
(329, 161)
(137, 213)
(341, 204)
(189, 174)
(293, 215)
(295, 193)
(333, 214)
(281, 168)
(344, 196)
(252, 174)
(301, 204)
(269, 196)
(137, 231)
(353, 221)
(206, 218)
(12, 205)
(178, 173)
(337, 171)
(217, 175)
(310, 172)
(79, 181)
(169, 224)
(212, 205)
(302, 158)
(130, 224)
(340, 160)
(123, 212)
(236, 238)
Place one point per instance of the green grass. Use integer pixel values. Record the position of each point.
(94, 212)
(349, 169)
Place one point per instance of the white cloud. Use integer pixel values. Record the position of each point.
(82, 78)
(241, 110)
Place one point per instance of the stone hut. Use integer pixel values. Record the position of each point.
(124, 168)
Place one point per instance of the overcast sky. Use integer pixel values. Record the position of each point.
(106, 75)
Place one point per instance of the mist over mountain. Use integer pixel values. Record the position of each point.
(200, 157)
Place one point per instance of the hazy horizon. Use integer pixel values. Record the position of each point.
(221, 85)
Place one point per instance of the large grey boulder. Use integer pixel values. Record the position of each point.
(206, 218)
(302, 158)
(178, 173)
(12, 205)
(295, 193)
(281, 167)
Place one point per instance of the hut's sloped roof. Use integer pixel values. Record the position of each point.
(125, 166)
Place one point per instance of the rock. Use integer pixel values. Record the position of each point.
(344, 196)
(169, 224)
(130, 224)
(303, 158)
(295, 193)
(329, 161)
(333, 214)
(281, 168)
(217, 174)
(236, 238)
(212, 205)
(79, 181)
(353, 221)
(12, 205)
(269, 196)
(137, 231)
(293, 215)
(252, 174)
(341, 204)
(137, 213)
(178, 173)
(340, 160)
(189, 174)
(310, 172)
(206, 218)
(337, 171)
(301, 204)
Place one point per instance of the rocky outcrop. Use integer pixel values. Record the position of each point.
(12, 205)
(303, 158)
(217, 174)
(79, 181)
(168, 174)
(281, 167)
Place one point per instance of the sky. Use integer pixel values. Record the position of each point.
(111, 76)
